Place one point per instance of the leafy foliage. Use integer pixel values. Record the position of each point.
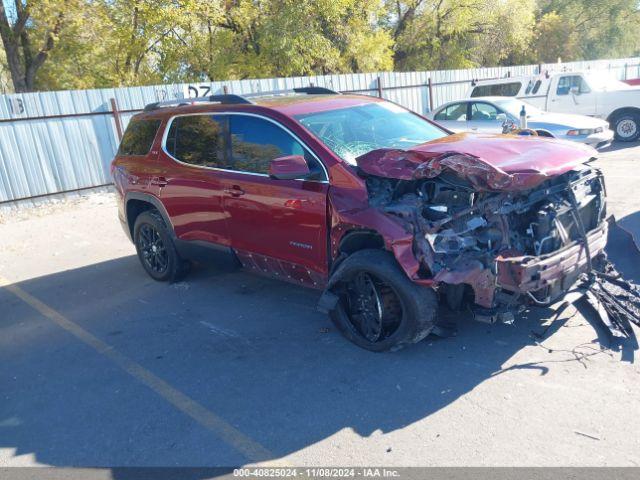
(58, 44)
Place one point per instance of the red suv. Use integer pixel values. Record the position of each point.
(384, 211)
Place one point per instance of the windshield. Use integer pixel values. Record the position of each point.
(602, 81)
(353, 131)
(513, 107)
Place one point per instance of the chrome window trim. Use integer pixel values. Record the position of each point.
(165, 134)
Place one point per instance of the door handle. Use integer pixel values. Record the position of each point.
(234, 191)
(159, 181)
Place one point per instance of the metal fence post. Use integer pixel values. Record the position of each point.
(116, 117)
(379, 87)
(430, 94)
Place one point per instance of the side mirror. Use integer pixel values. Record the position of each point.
(501, 117)
(575, 90)
(290, 167)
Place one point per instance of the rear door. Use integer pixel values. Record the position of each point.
(277, 227)
(453, 117)
(189, 186)
(483, 118)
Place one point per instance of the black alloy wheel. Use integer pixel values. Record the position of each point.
(156, 249)
(377, 306)
(374, 310)
(154, 252)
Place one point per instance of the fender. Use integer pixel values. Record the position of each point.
(153, 200)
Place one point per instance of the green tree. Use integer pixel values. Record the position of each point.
(60, 44)
(437, 34)
(262, 38)
(553, 40)
(587, 29)
(29, 31)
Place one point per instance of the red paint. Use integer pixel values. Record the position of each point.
(291, 229)
(489, 162)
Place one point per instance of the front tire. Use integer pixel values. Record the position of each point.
(379, 308)
(156, 251)
(627, 126)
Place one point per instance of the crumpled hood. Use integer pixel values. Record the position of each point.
(489, 162)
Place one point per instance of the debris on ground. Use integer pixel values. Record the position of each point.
(615, 300)
(593, 437)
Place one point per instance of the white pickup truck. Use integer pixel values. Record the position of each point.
(585, 93)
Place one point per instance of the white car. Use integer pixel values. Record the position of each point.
(595, 94)
(490, 114)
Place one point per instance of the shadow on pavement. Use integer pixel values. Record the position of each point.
(615, 146)
(252, 350)
(631, 224)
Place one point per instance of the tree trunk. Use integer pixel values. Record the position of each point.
(23, 65)
(12, 51)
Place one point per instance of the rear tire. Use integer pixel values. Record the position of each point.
(626, 126)
(379, 308)
(156, 251)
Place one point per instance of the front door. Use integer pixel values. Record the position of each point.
(483, 118)
(277, 227)
(572, 94)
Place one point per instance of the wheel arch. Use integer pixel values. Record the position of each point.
(137, 202)
(360, 239)
(612, 116)
(354, 240)
(544, 133)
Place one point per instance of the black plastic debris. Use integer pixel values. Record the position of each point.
(616, 300)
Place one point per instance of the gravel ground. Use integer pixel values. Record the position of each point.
(101, 366)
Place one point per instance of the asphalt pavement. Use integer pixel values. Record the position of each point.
(102, 366)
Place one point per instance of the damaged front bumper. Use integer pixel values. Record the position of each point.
(545, 278)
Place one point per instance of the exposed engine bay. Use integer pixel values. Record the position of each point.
(498, 250)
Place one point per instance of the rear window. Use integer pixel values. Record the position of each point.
(497, 90)
(138, 138)
(197, 140)
(456, 112)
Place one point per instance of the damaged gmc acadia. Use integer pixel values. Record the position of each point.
(387, 213)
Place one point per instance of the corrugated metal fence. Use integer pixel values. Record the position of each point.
(52, 142)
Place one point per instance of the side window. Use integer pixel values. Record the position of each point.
(197, 139)
(567, 82)
(483, 112)
(456, 112)
(138, 138)
(536, 87)
(497, 89)
(256, 141)
(529, 87)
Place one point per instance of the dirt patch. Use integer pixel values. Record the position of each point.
(45, 206)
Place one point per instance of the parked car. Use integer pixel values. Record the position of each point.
(380, 209)
(595, 94)
(490, 114)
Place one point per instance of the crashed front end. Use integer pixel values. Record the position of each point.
(513, 248)
(501, 240)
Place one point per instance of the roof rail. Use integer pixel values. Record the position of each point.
(316, 91)
(227, 99)
(307, 90)
(231, 99)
